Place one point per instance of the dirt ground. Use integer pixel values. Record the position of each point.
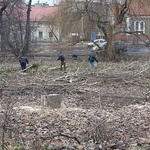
(108, 108)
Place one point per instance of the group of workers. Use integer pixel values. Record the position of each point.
(91, 58)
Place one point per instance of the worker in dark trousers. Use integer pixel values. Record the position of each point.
(92, 59)
(61, 57)
(23, 62)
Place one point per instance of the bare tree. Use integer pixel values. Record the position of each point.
(28, 30)
(3, 5)
(14, 27)
(15, 30)
(70, 18)
(53, 23)
(106, 15)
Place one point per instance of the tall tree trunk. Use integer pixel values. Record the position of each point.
(1, 31)
(28, 31)
(111, 55)
(2, 9)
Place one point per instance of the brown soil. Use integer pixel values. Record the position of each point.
(113, 103)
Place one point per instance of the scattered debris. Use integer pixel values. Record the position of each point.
(108, 109)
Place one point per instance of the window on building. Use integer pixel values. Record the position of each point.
(142, 26)
(139, 26)
(50, 34)
(136, 26)
(40, 34)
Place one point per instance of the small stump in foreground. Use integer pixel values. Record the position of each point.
(51, 100)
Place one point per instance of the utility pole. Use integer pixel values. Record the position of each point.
(82, 28)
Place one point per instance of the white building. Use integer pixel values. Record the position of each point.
(42, 26)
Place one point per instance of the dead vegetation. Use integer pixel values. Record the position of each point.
(109, 108)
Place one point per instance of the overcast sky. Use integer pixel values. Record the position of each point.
(50, 2)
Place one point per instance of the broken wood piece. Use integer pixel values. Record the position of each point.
(26, 68)
(53, 68)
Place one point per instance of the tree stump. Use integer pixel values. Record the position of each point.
(51, 100)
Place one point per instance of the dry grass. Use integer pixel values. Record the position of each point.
(110, 90)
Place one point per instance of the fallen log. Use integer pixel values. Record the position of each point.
(26, 68)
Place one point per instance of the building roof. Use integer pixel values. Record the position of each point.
(139, 7)
(135, 8)
(40, 13)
